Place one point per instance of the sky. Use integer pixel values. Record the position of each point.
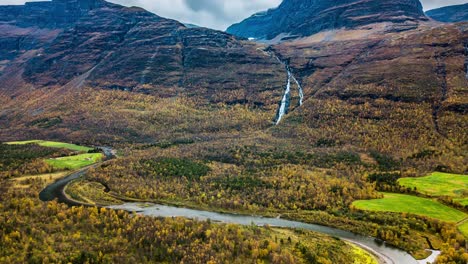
(218, 14)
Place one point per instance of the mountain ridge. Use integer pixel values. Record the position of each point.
(455, 13)
(52, 81)
(295, 18)
(139, 50)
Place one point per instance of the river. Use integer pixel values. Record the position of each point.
(385, 253)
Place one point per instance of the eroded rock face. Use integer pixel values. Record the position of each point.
(420, 66)
(49, 14)
(108, 46)
(295, 18)
(456, 13)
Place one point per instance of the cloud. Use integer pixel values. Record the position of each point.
(218, 14)
(213, 6)
(431, 4)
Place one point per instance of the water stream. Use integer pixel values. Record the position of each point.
(466, 60)
(286, 100)
(301, 91)
(385, 253)
(148, 68)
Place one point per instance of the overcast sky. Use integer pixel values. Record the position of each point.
(219, 14)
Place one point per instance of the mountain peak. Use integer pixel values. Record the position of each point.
(51, 14)
(455, 13)
(307, 17)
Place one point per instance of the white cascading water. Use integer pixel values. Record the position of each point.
(301, 92)
(285, 101)
(148, 68)
(466, 60)
(287, 95)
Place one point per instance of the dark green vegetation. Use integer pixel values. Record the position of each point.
(39, 157)
(16, 160)
(175, 168)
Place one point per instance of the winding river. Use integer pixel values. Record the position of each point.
(385, 253)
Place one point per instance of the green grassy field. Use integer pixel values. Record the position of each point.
(440, 184)
(75, 162)
(52, 144)
(401, 203)
(462, 201)
(464, 229)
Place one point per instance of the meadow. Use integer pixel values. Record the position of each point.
(440, 184)
(53, 144)
(33, 159)
(75, 162)
(464, 228)
(249, 179)
(400, 203)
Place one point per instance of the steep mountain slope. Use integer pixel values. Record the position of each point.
(456, 13)
(103, 45)
(296, 18)
(399, 93)
(123, 74)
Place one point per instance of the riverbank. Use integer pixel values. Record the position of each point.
(399, 257)
(385, 253)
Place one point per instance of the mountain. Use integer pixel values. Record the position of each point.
(199, 118)
(70, 43)
(191, 25)
(122, 74)
(456, 13)
(297, 18)
(49, 14)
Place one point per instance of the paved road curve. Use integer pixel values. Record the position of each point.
(386, 254)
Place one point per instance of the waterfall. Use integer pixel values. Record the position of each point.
(148, 68)
(285, 101)
(466, 60)
(301, 91)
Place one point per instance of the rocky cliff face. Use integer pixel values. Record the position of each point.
(50, 14)
(404, 86)
(102, 45)
(423, 68)
(303, 18)
(456, 13)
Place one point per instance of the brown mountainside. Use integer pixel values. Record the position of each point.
(124, 74)
(130, 49)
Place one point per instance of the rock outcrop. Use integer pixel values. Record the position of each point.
(49, 14)
(103, 45)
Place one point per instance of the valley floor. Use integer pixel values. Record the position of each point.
(247, 180)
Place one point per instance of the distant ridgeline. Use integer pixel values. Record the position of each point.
(456, 13)
(55, 13)
(297, 18)
(94, 43)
